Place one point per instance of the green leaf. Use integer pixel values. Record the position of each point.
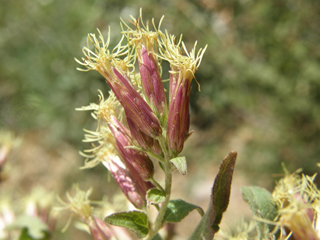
(157, 237)
(262, 206)
(219, 201)
(155, 196)
(178, 210)
(135, 221)
(221, 188)
(181, 164)
(32, 227)
(24, 235)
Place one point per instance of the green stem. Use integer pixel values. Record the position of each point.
(156, 184)
(155, 156)
(158, 223)
(150, 153)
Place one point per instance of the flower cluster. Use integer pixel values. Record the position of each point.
(136, 123)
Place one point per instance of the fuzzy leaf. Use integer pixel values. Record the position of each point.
(181, 164)
(221, 188)
(219, 201)
(262, 206)
(32, 227)
(155, 196)
(178, 210)
(135, 221)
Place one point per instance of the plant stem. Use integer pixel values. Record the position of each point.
(157, 184)
(158, 223)
(155, 156)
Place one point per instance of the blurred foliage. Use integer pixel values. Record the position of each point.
(259, 77)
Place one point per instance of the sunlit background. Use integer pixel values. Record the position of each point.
(260, 93)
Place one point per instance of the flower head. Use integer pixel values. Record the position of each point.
(138, 160)
(146, 45)
(133, 168)
(80, 205)
(116, 71)
(298, 201)
(131, 184)
(102, 139)
(183, 67)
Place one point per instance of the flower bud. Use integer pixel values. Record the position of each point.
(179, 118)
(183, 66)
(139, 160)
(157, 148)
(129, 180)
(135, 107)
(151, 82)
(141, 138)
(98, 229)
(116, 71)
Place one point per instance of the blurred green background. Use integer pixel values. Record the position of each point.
(260, 83)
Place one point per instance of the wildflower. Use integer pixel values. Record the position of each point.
(131, 184)
(40, 204)
(102, 140)
(114, 138)
(242, 231)
(298, 198)
(80, 205)
(116, 72)
(145, 42)
(183, 67)
(139, 160)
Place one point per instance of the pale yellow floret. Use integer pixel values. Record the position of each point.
(79, 204)
(142, 35)
(101, 59)
(102, 141)
(242, 232)
(41, 197)
(182, 62)
(295, 195)
(101, 147)
(292, 185)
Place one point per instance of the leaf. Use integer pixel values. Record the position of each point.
(32, 227)
(157, 237)
(24, 235)
(135, 221)
(155, 196)
(179, 209)
(262, 206)
(221, 188)
(181, 164)
(219, 201)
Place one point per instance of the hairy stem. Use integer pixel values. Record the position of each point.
(158, 223)
(156, 184)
